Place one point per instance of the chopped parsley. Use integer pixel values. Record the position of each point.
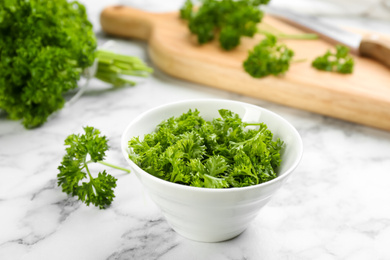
(222, 153)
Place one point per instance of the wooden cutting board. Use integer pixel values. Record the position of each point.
(362, 97)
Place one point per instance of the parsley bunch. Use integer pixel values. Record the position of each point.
(80, 152)
(45, 46)
(227, 18)
(267, 58)
(221, 153)
(340, 61)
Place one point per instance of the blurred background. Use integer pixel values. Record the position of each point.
(377, 9)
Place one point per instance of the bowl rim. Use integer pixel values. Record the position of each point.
(279, 178)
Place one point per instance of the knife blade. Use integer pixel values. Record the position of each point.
(372, 46)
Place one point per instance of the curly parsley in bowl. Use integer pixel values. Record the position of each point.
(221, 153)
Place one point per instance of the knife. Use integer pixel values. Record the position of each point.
(371, 46)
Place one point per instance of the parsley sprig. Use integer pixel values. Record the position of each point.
(268, 57)
(221, 153)
(339, 61)
(226, 18)
(75, 177)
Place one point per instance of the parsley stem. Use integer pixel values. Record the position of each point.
(267, 27)
(254, 124)
(90, 177)
(299, 60)
(114, 166)
(112, 67)
(299, 36)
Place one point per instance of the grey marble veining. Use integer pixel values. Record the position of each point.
(336, 205)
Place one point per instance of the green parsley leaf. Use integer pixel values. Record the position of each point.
(267, 58)
(214, 182)
(186, 10)
(340, 61)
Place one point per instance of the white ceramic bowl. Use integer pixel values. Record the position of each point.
(212, 215)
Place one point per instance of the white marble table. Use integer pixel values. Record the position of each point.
(336, 205)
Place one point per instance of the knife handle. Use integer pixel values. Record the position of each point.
(376, 47)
